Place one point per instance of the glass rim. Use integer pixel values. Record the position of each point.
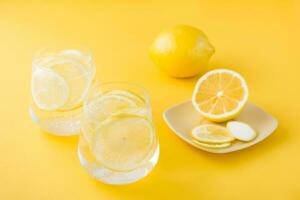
(98, 85)
(38, 55)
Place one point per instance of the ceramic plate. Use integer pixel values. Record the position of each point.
(182, 117)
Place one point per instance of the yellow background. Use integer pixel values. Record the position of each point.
(259, 39)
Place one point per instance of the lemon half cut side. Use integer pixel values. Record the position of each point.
(220, 95)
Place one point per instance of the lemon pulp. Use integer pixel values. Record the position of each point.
(123, 143)
(49, 90)
(61, 80)
(210, 133)
(220, 95)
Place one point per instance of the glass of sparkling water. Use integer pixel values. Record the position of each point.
(118, 143)
(60, 82)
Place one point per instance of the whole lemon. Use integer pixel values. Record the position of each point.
(182, 51)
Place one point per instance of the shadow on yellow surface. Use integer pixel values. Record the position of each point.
(64, 140)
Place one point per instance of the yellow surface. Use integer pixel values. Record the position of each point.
(259, 39)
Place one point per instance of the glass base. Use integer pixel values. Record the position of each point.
(66, 126)
(114, 177)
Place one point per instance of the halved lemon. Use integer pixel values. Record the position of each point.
(212, 146)
(49, 90)
(210, 133)
(122, 143)
(220, 95)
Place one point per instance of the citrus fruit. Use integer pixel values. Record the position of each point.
(72, 66)
(49, 90)
(100, 108)
(220, 95)
(182, 51)
(105, 105)
(137, 99)
(211, 133)
(137, 111)
(213, 146)
(122, 143)
(241, 131)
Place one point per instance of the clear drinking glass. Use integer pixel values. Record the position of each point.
(60, 82)
(118, 143)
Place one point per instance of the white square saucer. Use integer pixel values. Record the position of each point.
(182, 117)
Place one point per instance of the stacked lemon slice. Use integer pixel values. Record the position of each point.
(211, 135)
(117, 126)
(219, 96)
(216, 136)
(61, 82)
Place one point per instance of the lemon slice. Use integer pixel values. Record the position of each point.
(220, 95)
(210, 133)
(88, 126)
(212, 146)
(123, 143)
(100, 108)
(138, 111)
(88, 130)
(49, 90)
(104, 105)
(71, 65)
(241, 131)
(137, 99)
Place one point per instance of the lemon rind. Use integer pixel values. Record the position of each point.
(212, 146)
(151, 127)
(210, 141)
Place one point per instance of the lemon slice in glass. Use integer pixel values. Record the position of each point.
(104, 105)
(137, 111)
(220, 95)
(71, 66)
(100, 108)
(137, 99)
(49, 90)
(123, 143)
(210, 133)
